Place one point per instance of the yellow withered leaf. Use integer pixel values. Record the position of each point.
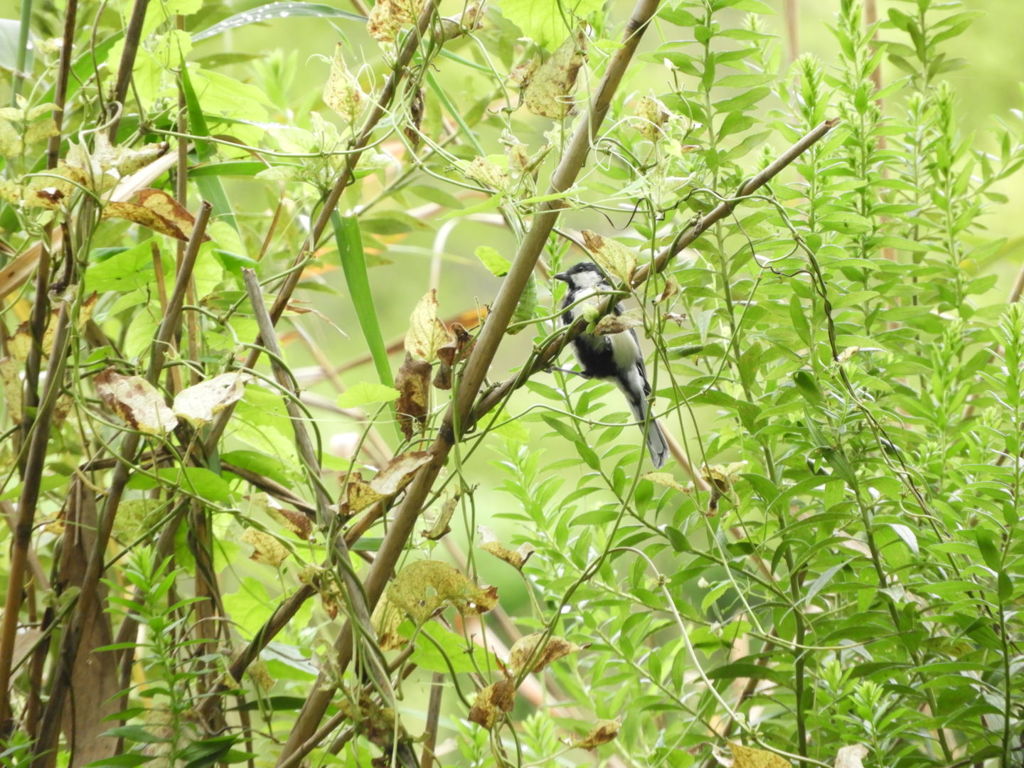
(602, 733)
(426, 334)
(266, 549)
(426, 586)
(613, 257)
(156, 210)
(549, 90)
(527, 652)
(342, 92)
(748, 757)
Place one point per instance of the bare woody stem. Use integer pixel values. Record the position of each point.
(34, 462)
(479, 361)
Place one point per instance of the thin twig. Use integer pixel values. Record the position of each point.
(132, 34)
(35, 459)
(60, 88)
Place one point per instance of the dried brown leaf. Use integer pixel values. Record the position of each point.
(492, 702)
(515, 557)
(266, 549)
(358, 495)
(199, 403)
(156, 210)
(426, 333)
(549, 90)
(136, 401)
(524, 653)
(602, 733)
(398, 472)
(441, 526)
(413, 382)
(612, 324)
(296, 522)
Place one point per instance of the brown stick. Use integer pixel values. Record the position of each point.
(124, 70)
(34, 461)
(60, 89)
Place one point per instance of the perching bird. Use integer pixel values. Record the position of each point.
(616, 356)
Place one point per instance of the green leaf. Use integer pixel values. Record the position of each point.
(128, 760)
(122, 271)
(549, 23)
(260, 464)
(365, 393)
(353, 263)
(209, 186)
(281, 10)
(440, 650)
(496, 264)
(808, 387)
(987, 547)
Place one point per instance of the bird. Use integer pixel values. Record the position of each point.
(613, 357)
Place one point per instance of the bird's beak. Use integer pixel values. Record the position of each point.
(561, 276)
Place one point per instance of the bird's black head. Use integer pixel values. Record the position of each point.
(582, 275)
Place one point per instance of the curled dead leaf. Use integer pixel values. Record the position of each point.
(398, 472)
(653, 114)
(426, 333)
(671, 289)
(851, 756)
(386, 619)
(136, 401)
(548, 92)
(266, 549)
(457, 349)
(492, 702)
(358, 495)
(425, 586)
(602, 733)
(516, 558)
(527, 651)
(296, 522)
(441, 526)
(613, 257)
(612, 324)
(413, 384)
(199, 403)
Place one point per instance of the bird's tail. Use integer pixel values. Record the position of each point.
(657, 445)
